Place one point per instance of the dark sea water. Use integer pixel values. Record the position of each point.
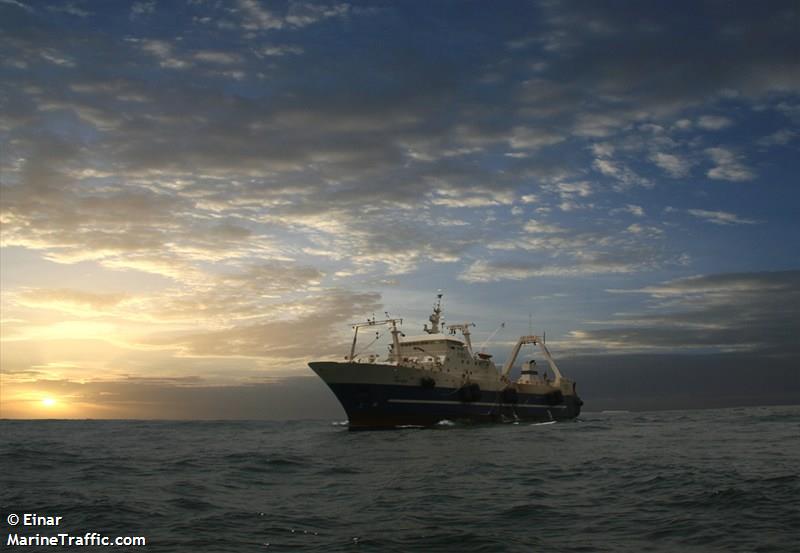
(711, 480)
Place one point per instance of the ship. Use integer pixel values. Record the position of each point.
(437, 376)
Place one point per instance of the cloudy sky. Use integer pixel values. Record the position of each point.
(199, 196)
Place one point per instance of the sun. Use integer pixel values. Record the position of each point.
(48, 402)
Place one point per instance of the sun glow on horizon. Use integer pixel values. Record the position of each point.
(30, 403)
(48, 402)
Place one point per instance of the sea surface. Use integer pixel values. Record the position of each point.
(683, 481)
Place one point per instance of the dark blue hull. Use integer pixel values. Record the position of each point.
(385, 406)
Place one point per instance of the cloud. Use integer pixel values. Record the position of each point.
(276, 291)
(69, 299)
(714, 122)
(140, 9)
(45, 210)
(637, 228)
(568, 190)
(17, 4)
(265, 313)
(298, 15)
(721, 312)
(301, 14)
(620, 172)
(316, 322)
(568, 252)
(624, 86)
(581, 264)
(523, 138)
(728, 167)
(212, 56)
(475, 197)
(778, 138)
(721, 217)
(672, 164)
(258, 18)
(253, 292)
(636, 210)
(533, 227)
(362, 137)
(71, 9)
(600, 125)
(163, 51)
(484, 271)
(120, 228)
(57, 58)
(280, 50)
(603, 149)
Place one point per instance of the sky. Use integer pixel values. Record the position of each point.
(199, 197)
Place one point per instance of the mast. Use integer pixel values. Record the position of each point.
(395, 341)
(435, 316)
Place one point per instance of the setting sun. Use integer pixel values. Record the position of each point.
(48, 402)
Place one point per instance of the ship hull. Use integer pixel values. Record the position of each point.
(382, 396)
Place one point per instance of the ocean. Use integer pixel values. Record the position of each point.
(683, 481)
